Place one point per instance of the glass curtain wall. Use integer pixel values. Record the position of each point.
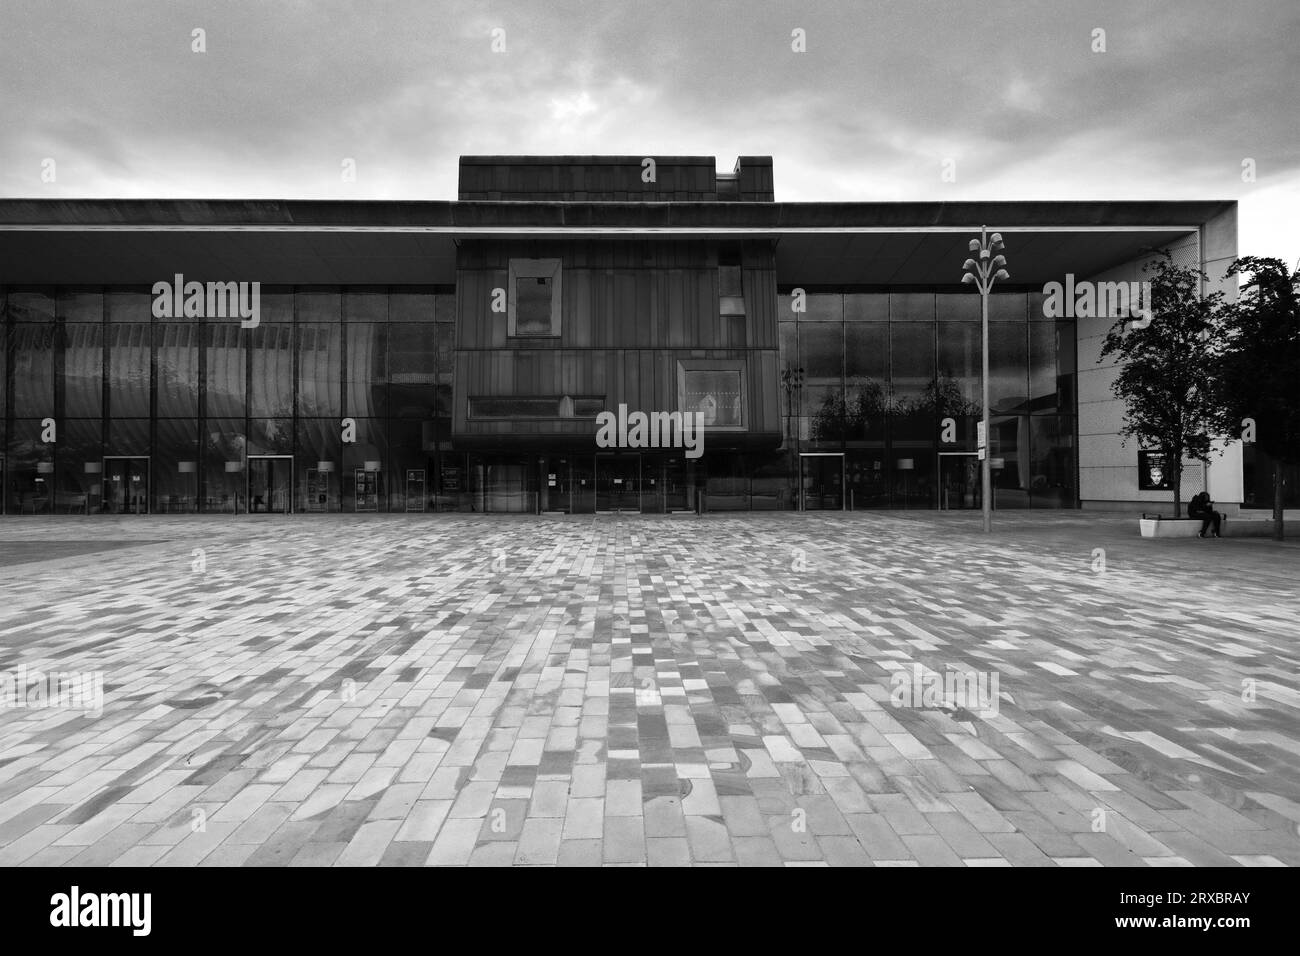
(97, 394)
(892, 380)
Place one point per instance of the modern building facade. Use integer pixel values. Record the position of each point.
(434, 356)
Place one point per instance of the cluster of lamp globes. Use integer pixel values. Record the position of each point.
(979, 272)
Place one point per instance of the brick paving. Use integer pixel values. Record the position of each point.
(623, 690)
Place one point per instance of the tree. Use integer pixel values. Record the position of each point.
(1167, 373)
(1259, 377)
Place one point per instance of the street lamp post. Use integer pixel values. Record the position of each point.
(983, 272)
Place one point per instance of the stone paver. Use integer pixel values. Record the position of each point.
(757, 689)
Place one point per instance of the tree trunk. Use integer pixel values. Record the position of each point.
(1279, 524)
(1178, 487)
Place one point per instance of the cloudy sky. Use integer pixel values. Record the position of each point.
(1012, 93)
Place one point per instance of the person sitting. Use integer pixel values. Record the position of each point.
(1202, 507)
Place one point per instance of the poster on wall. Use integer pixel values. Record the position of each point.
(450, 479)
(1153, 471)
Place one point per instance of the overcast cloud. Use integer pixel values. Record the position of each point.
(886, 92)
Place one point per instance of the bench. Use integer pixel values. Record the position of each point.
(1158, 526)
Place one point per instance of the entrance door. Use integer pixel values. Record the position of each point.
(676, 479)
(618, 482)
(126, 486)
(959, 480)
(821, 480)
(270, 481)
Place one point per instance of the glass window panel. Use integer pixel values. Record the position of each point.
(270, 436)
(175, 481)
(821, 349)
(371, 446)
(419, 307)
(444, 308)
(958, 307)
(789, 344)
(912, 365)
(76, 491)
(1043, 378)
(31, 365)
(866, 307)
(1007, 307)
(226, 372)
(318, 307)
(81, 306)
(1009, 443)
(514, 407)
(533, 305)
(1008, 367)
(1035, 302)
(319, 476)
(365, 306)
(911, 306)
(866, 351)
(270, 393)
(823, 307)
(1066, 365)
(224, 475)
(83, 370)
(367, 359)
(128, 436)
(178, 368)
(31, 307)
(956, 392)
(275, 305)
(29, 482)
(320, 369)
(414, 354)
(716, 394)
(128, 369)
(1052, 461)
(129, 307)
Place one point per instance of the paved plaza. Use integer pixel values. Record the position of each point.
(757, 689)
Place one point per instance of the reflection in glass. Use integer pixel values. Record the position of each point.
(224, 447)
(30, 466)
(1008, 367)
(83, 370)
(226, 372)
(128, 369)
(178, 369)
(175, 465)
(1052, 462)
(320, 465)
(76, 490)
(31, 367)
(367, 385)
(271, 388)
(320, 358)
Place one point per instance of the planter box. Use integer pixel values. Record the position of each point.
(1157, 527)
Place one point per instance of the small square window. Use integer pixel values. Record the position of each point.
(534, 298)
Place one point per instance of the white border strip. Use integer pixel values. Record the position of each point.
(631, 231)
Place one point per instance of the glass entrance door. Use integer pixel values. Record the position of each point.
(821, 481)
(270, 481)
(675, 482)
(618, 482)
(959, 480)
(126, 486)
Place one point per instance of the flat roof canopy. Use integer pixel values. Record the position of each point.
(130, 242)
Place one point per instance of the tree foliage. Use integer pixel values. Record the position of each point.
(1167, 375)
(1259, 377)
